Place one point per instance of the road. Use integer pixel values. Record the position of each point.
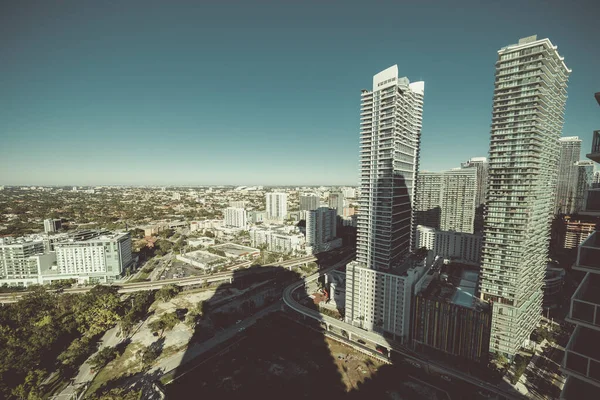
(85, 374)
(380, 340)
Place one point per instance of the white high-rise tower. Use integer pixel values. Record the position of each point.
(276, 206)
(529, 103)
(377, 292)
(566, 185)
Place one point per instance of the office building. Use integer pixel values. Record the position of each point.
(566, 184)
(528, 110)
(456, 246)
(379, 283)
(321, 230)
(309, 202)
(276, 206)
(581, 362)
(576, 232)
(100, 259)
(449, 318)
(52, 225)
(235, 218)
(459, 192)
(585, 179)
(481, 165)
(336, 201)
(447, 200)
(428, 199)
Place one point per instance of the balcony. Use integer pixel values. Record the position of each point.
(588, 255)
(595, 154)
(585, 303)
(582, 355)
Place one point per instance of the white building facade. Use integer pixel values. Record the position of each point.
(321, 230)
(457, 246)
(528, 111)
(567, 170)
(379, 282)
(235, 218)
(276, 206)
(101, 259)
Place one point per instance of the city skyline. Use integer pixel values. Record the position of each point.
(104, 109)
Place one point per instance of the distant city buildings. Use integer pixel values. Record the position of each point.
(447, 200)
(321, 230)
(279, 240)
(309, 202)
(481, 165)
(237, 204)
(380, 283)
(235, 218)
(456, 246)
(570, 150)
(531, 83)
(52, 225)
(336, 201)
(428, 199)
(276, 206)
(585, 180)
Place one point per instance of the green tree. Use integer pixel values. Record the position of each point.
(75, 353)
(166, 322)
(119, 394)
(103, 357)
(167, 292)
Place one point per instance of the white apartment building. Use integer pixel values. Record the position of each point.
(481, 164)
(321, 230)
(237, 204)
(336, 201)
(585, 179)
(380, 300)
(528, 108)
(276, 206)
(279, 240)
(18, 263)
(235, 218)
(379, 283)
(566, 184)
(447, 200)
(349, 192)
(457, 246)
(100, 259)
(309, 202)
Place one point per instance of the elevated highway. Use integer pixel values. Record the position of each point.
(237, 270)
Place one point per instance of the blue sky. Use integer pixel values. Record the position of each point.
(263, 92)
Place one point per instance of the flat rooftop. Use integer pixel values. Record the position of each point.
(236, 250)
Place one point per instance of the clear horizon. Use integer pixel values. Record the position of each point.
(151, 94)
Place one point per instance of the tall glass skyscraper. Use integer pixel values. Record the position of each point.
(379, 283)
(390, 134)
(527, 118)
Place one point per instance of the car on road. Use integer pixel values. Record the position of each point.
(241, 329)
(361, 341)
(238, 321)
